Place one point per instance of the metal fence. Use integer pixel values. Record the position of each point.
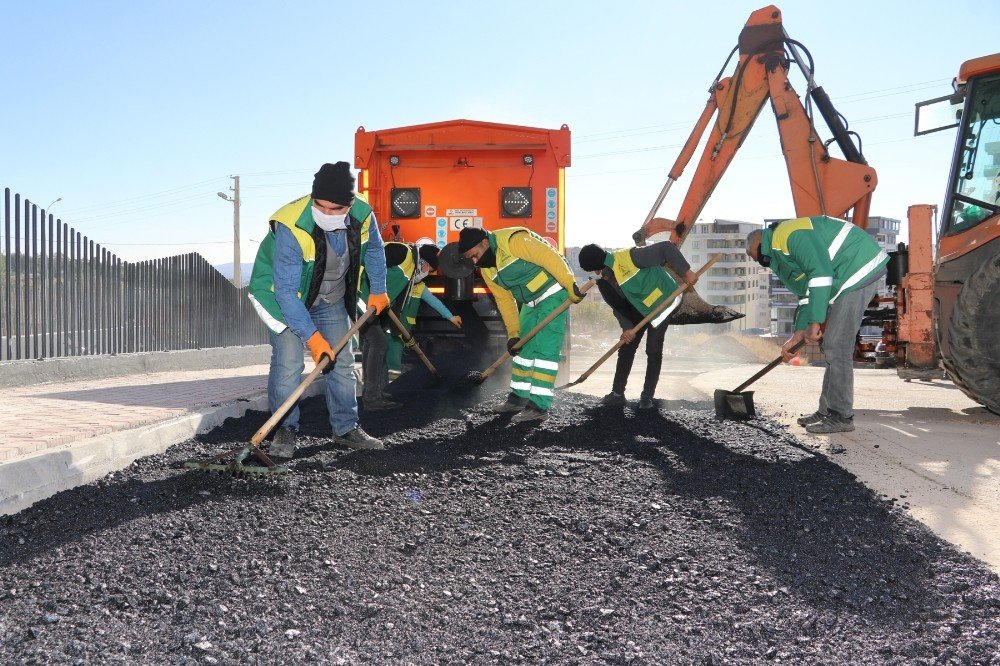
(62, 294)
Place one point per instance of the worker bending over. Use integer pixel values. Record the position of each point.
(406, 266)
(529, 280)
(834, 268)
(634, 283)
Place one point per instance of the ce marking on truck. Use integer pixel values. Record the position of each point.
(459, 223)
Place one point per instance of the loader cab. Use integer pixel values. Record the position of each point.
(973, 195)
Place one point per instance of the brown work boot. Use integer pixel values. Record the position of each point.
(283, 444)
(530, 414)
(359, 439)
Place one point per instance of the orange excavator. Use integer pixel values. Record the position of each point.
(821, 183)
(946, 307)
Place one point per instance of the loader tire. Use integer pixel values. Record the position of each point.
(974, 336)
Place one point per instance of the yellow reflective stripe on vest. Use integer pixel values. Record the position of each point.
(623, 268)
(779, 240)
(652, 298)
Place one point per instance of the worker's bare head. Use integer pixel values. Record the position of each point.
(753, 248)
(474, 244)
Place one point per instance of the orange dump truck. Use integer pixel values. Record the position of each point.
(428, 182)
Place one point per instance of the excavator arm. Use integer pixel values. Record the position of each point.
(821, 184)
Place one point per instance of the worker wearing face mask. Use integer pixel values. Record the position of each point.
(528, 280)
(834, 268)
(425, 258)
(406, 266)
(304, 287)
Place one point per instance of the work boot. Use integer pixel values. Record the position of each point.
(283, 444)
(359, 439)
(381, 404)
(808, 419)
(831, 423)
(512, 405)
(646, 402)
(614, 399)
(394, 375)
(530, 413)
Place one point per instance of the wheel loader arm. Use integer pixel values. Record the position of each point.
(820, 183)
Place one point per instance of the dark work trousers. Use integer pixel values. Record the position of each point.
(374, 371)
(654, 359)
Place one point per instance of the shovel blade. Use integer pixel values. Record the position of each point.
(737, 406)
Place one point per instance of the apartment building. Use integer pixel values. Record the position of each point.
(735, 280)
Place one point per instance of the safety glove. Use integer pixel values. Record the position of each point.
(576, 295)
(319, 347)
(511, 342)
(457, 321)
(379, 302)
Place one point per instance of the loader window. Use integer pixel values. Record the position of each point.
(976, 192)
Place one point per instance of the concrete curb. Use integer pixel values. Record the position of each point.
(28, 480)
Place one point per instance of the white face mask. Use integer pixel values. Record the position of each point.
(329, 222)
(419, 277)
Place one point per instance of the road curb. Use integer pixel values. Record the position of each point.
(27, 480)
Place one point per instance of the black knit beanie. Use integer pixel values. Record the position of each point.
(334, 183)
(429, 253)
(592, 257)
(470, 237)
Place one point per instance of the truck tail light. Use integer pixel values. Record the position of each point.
(515, 202)
(405, 202)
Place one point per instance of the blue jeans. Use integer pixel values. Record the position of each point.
(288, 363)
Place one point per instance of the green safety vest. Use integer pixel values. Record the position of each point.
(645, 288)
(297, 216)
(527, 282)
(818, 259)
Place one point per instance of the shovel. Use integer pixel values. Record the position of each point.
(237, 468)
(407, 338)
(638, 327)
(477, 378)
(738, 404)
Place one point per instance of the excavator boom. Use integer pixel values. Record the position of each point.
(820, 183)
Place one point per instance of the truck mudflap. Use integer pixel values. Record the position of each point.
(694, 310)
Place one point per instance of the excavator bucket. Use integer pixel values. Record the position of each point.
(694, 310)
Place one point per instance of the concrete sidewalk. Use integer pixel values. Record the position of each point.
(58, 435)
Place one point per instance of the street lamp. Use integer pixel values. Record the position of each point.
(235, 199)
(49, 207)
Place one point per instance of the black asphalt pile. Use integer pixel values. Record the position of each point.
(602, 537)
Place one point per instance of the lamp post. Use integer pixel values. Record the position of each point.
(49, 207)
(237, 278)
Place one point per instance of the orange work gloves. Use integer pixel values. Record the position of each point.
(379, 302)
(319, 347)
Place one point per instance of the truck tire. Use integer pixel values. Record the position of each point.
(973, 338)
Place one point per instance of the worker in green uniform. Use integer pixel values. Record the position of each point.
(634, 283)
(406, 267)
(424, 260)
(529, 280)
(834, 268)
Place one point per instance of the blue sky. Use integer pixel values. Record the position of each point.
(136, 114)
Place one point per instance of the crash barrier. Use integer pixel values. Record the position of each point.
(62, 294)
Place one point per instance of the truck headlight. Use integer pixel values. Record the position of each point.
(515, 202)
(405, 201)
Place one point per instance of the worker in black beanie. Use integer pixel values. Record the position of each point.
(334, 183)
(633, 282)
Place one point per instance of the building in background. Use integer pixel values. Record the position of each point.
(735, 280)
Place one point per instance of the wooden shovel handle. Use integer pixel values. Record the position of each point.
(533, 332)
(407, 336)
(769, 367)
(297, 393)
(645, 320)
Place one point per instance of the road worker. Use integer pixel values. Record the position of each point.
(529, 280)
(407, 266)
(834, 268)
(633, 282)
(304, 285)
(425, 256)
